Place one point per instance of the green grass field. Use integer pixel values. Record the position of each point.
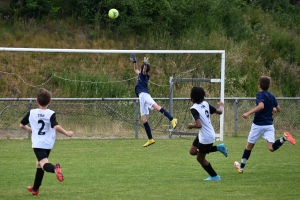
(123, 169)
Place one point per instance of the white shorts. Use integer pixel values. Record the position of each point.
(146, 103)
(267, 132)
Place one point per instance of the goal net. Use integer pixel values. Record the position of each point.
(93, 90)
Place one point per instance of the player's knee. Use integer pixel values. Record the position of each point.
(193, 153)
(271, 150)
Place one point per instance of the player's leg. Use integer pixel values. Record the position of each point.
(202, 150)
(193, 149)
(269, 136)
(255, 133)
(49, 167)
(274, 145)
(144, 112)
(39, 174)
(163, 111)
(221, 148)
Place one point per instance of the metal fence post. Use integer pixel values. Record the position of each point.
(236, 102)
(29, 108)
(171, 104)
(136, 118)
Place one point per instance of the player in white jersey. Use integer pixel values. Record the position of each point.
(203, 144)
(43, 127)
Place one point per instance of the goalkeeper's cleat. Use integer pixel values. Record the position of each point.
(33, 191)
(222, 148)
(289, 138)
(213, 178)
(149, 142)
(58, 173)
(237, 166)
(174, 123)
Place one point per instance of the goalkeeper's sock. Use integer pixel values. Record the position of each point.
(165, 113)
(148, 130)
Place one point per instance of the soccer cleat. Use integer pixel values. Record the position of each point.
(289, 138)
(58, 173)
(174, 123)
(213, 178)
(33, 192)
(222, 148)
(237, 166)
(149, 142)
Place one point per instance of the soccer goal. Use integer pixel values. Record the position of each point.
(61, 71)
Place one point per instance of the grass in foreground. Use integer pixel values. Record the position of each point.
(123, 169)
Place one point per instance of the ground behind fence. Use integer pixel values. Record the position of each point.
(120, 118)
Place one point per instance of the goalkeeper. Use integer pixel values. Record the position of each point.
(145, 99)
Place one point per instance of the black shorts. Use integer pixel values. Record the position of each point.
(202, 148)
(41, 153)
(196, 142)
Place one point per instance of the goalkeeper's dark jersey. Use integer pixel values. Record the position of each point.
(142, 84)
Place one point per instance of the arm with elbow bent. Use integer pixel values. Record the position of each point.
(63, 131)
(26, 127)
(258, 108)
(220, 110)
(196, 124)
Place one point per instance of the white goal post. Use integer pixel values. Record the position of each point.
(220, 80)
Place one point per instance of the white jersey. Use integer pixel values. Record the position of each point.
(42, 123)
(206, 133)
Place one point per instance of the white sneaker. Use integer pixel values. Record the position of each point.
(237, 166)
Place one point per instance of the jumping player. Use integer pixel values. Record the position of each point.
(146, 101)
(262, 126)
(203, 144)
(43, 134)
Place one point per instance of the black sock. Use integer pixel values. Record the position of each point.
(213, 149)
(38, 178)
(245, 157)
(148, 130)
(277, 144)
(209, 169)
(48, 167)
(165, 113)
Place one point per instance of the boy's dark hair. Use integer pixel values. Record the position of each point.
(264, 82)
(145, 67)
(43, 97)
(197, 94)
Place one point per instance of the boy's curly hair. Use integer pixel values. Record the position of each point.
(197, 94)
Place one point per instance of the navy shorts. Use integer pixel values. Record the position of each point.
(41, 153)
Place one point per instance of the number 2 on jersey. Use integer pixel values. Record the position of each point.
(42, 127)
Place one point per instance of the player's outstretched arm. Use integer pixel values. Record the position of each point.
(63, 131)
(133, 60)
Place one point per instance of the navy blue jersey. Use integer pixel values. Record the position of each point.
(142, 84)
(265, 116)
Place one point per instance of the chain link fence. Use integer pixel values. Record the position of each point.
(120, 118)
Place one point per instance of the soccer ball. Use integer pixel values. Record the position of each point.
(113, 13)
